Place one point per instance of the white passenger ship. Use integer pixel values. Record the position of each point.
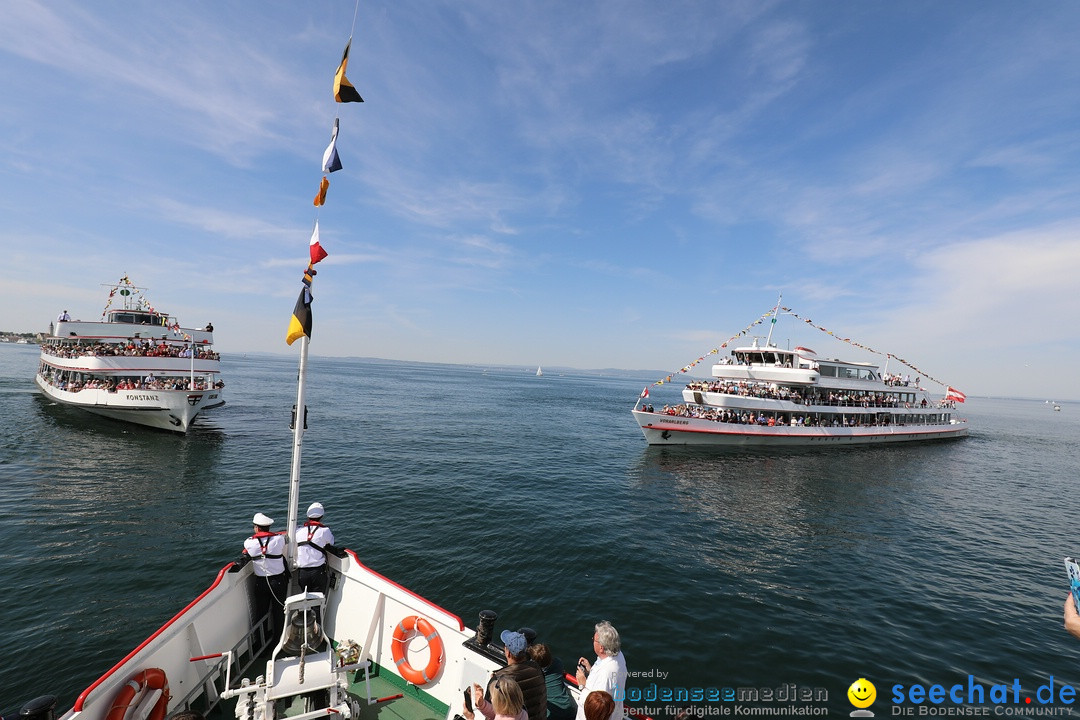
(136, 364)
(763, 395)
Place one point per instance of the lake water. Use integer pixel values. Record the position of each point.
(537, 497)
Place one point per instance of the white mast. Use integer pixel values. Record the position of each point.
(298, 435)
(775, 314)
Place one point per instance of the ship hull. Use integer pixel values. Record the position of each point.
(173, 410)
(662, 429)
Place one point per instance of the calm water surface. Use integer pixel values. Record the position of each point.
(538, 498)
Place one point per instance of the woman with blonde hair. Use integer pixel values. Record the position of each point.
(507, 701)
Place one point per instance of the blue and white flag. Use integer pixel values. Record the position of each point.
(330, 160)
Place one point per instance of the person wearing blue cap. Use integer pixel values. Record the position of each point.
(525, 672)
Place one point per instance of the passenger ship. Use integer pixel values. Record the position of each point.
(135, 364)
(764, 395)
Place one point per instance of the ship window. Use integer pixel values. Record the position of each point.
(827, 371)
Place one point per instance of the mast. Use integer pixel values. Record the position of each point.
(772, 324)
(299, 415)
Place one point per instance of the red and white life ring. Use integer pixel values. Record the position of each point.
(148, 680)
(397, 649)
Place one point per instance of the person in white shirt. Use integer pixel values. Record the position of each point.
(313, 541)
(608, 673)
(267, 551)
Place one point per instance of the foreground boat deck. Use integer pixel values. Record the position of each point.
(413, 704)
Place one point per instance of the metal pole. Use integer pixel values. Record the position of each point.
(298, 435)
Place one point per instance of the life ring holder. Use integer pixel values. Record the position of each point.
(397, 649)
(149, 679)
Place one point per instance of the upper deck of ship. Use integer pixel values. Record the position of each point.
(126, 324)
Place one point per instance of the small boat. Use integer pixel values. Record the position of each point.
(539, 372)
(135, 364)
(762, 395)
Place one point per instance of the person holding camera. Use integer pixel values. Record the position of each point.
(608, 673)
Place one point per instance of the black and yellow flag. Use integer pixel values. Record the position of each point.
(300, 324)
(343, 89)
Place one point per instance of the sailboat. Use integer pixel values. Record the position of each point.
(364, 644)
(539, 372)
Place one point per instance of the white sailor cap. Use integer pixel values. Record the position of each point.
(315, 510)
(262, 520)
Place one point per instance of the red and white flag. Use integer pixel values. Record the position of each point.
(315, 248)
(954, 394)
(645, 392)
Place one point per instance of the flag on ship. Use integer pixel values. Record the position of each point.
(645, 392)
(330, 160)
(343, 89)
(300, 324)
(320, 197)
(314, 247)
(954, 394)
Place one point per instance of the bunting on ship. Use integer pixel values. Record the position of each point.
(301, 320)
(952, 393)
(300, 324)
(343, 89)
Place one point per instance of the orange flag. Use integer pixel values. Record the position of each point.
(320, 197)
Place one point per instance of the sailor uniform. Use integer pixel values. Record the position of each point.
(312, 542)
(267, 553)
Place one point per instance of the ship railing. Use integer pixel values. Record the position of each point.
(207, 692)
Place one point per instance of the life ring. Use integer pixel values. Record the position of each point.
(149, 679)
(397, 649)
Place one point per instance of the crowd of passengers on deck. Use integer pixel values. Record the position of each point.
(128, 383)
(133, 348)
(771, 391)
(749, 417)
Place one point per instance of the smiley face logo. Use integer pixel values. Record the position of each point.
(862, 693)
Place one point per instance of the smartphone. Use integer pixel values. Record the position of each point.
(468, 699)
(1073, 569)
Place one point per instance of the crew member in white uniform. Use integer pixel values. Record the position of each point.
(313, 541)
(267, 550)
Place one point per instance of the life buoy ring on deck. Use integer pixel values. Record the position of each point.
(148, 680)
(397, 649)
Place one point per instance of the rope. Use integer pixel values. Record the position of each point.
(830, 333)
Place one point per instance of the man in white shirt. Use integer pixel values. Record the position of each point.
(608, 673)
(313, 541)
(267, 551)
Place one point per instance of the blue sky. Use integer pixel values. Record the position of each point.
(582, 184)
